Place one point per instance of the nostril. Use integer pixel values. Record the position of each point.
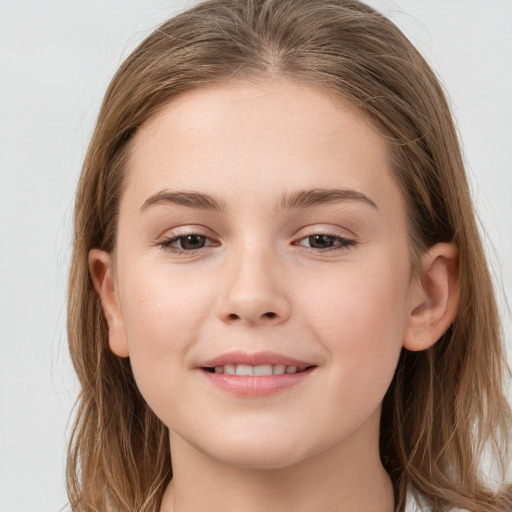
(249, 317)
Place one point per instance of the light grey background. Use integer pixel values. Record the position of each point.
(56, 59)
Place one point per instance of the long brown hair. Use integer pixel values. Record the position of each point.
(445, 405)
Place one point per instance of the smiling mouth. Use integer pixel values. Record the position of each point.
(256, 375)
(257, 371)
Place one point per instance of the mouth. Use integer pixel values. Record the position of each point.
(256, 371)
(255, 375)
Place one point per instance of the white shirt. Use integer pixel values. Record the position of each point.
(413, 506)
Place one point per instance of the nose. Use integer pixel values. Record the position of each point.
(255, 291)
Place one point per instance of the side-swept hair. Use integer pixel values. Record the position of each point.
(445, 404)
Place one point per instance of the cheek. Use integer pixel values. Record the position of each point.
(360, 298)
(163, 312)
(360, 319)
(160, 303)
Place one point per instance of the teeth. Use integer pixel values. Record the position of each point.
(244, 369)
(279, 369)
(229, 369)
(264, 369)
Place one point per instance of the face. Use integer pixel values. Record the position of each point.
(261, 231)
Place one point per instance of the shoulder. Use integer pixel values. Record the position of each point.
(414, 505)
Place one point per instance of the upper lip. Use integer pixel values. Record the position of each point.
(255, 359)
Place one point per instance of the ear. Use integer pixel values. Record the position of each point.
(434, 297)
(103, 278)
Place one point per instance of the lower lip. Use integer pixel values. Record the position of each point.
(247, 385)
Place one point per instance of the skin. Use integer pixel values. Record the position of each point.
(262, 283)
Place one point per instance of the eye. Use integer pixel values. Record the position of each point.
(325, 242)
(186, 243)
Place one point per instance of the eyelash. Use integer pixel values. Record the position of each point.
(339, 241)
(166, 244)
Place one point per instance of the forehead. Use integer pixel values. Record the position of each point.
(245, 137)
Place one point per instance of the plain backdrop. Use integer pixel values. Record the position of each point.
(56, 59)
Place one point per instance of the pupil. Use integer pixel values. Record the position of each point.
(192, 242)
(321, 241)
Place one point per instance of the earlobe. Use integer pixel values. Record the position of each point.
(434, 298)
(102, 274)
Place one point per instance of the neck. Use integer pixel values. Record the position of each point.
(348, 477)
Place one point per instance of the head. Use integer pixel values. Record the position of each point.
(444, 384)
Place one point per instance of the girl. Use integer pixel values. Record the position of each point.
(278, 294)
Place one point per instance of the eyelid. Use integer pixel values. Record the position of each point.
(344, 240)
(168, 240)
(165, 241)
(179, 231)
(170, 236)
(323, 229)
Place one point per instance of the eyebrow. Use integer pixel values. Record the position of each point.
(191, 199)
(298, 200)
(319, 196)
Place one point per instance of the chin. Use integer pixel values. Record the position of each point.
(259, 459)
(257, 451)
